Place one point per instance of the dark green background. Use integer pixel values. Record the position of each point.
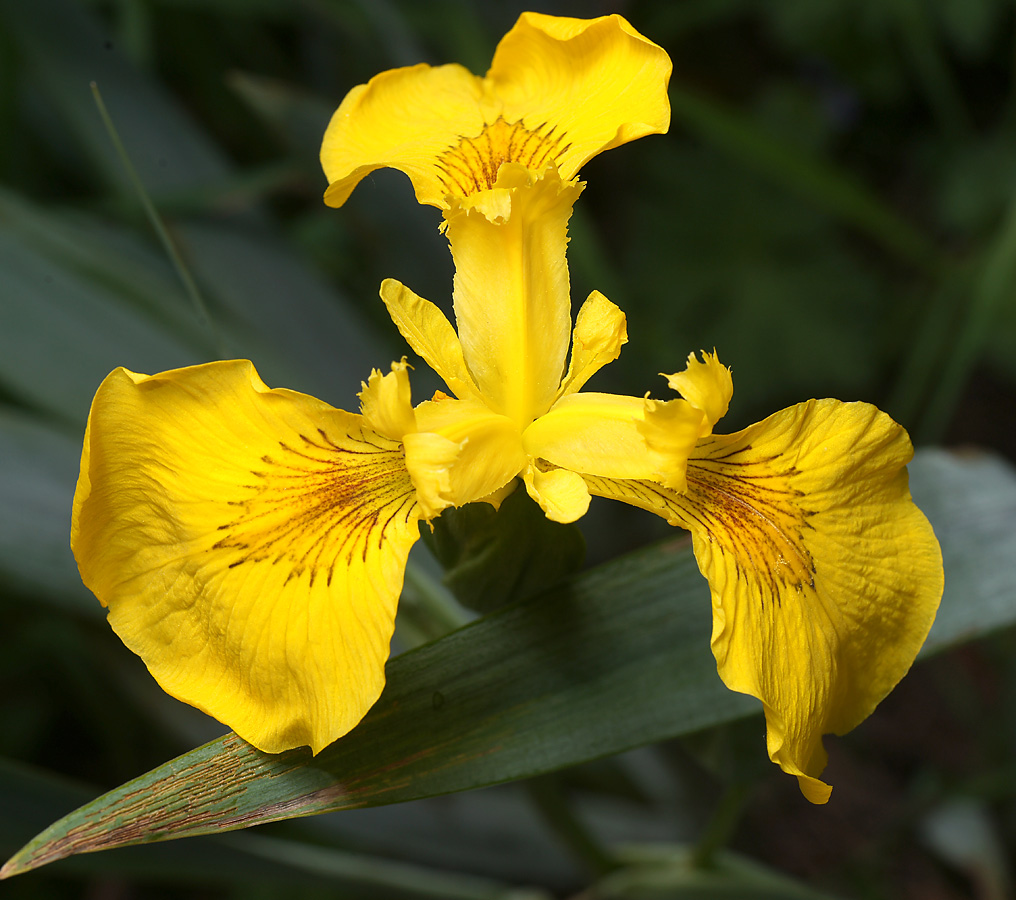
(833, 210)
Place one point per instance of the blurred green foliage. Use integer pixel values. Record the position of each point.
(834, 210)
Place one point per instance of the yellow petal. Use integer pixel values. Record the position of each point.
(402, 119)
(494, 203)
(706, 385)
(559, 91)
(600, 332)
(594, 434)
(825, 576)
(589, 84)
(429, 460)
(512, 302)
(487, 451)
(250, 545)
(386, 402)
(562, 495)
(671, 430)
(430, 334)
(499, 496)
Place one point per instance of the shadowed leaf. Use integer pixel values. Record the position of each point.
(616, 658)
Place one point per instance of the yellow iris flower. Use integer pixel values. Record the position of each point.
(558, 92)
(250, 543)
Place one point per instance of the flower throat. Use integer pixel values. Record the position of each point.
(472, 164)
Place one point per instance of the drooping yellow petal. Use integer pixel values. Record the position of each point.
(249, 543)
(600, 332)
(562, 495)
(462, 453)
(430, 334)
(559, 91)
(706, 385)
(594, 434)
(386, 402)
(825, 576)
(511, 293)
(591, 84)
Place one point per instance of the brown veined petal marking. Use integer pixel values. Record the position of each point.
(473, 163)
(825, 576)
(250, 545)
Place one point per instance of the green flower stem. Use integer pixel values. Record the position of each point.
(438, 609)
(550, 799)
(437, 613)
(720, 828)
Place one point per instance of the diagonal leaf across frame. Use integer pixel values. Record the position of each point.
(616, 658)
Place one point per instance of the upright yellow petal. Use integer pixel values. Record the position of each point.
(600, 332)
(589, 84)
(430, 334)
(559, 91)
(511, 293)
(825, 576)
(386, 402)
(250, 546)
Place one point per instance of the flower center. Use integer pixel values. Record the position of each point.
(472, 164)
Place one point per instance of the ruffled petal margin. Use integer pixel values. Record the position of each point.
(559, 91)
(594, 83)
(707, 386)
(386, 402)
(825, 576)
(402, 119)
(250, 545)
